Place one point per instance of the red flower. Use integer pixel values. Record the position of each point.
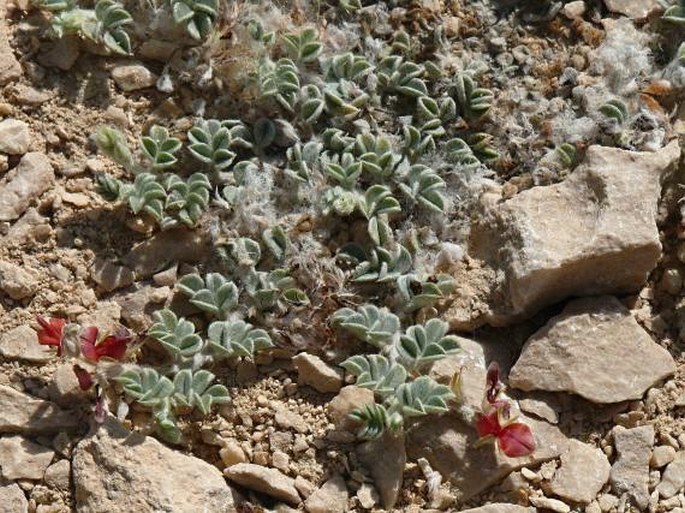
(112, 346)
(51, 332)
(513, 438)
(85, 380)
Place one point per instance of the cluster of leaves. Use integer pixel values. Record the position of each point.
(391, 373)
(104, 24)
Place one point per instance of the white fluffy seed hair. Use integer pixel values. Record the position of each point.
(624, 55)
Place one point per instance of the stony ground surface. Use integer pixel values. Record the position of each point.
(574, 284)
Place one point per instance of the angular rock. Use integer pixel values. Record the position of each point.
(110, 276)
(165, 248)
(23, 459)
(673, 478)
(598, 234)
(547, 504)
(31, 178)
(16, 282)
(499, 508)
(314, 372)
(116, 471)
(21, 413)
(448, 443)
(132, 77)
(385, 458)
(348, 399)
(10, 69)
(330, 498)
(634, 9)
(14, 137)
(630, 472)
(64, 388)
(662, 456)
(583, 472)
(21, 343)
(58, 475)
(540, 409)
(594, 349)
(264, 480)
(12, 498)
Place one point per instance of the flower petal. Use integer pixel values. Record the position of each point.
(516, 440)
(488, 424)
(114, 346)
(50, 332)
(89, 336)
(85, 380)
(493, 386)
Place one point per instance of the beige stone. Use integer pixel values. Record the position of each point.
(314, 372)
(662, 456)
(499, 508)
(330, 498)
(165, 248)
(31, 178)
(21, 343)
(630, 472)
(14, 137)
(594, 349)
(594, 233)
(673, 479)
(116, 471)
(385, 458)
(132, 77)
(634, 9)
(21, 458)
(10, 69)
(12, 498)
(583, 472)
(21, 413)
(350, 398)
(264, 480)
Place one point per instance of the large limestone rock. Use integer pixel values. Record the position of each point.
(448, 443)
(583, 472)
(500, 508)
(31, 178)
(116, 471)
(594, 349)
(21, 343)
(630, 472)
(673, 478)
(595, 233)
(12, 498)
(21, 413)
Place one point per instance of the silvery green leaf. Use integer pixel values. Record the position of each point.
(374, 325)
(376, 372)
(177, 335)
(276, 241)
(424, 344)
(422, 396)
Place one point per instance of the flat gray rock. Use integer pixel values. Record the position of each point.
(21, 343)
(13, 499)
(265, 480)
(594, 233)
(116, 471)
(22, 413)
(595, 349)
(630, 472)
(10, 69)
(23, 459)
(385, 458)
(673, 478)
(31, 178)
(583, 472)
(634, 9)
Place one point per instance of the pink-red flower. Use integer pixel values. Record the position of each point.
(513, 438)
(111, 346)
(51, 332)
(85, 380)
(496, 422)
